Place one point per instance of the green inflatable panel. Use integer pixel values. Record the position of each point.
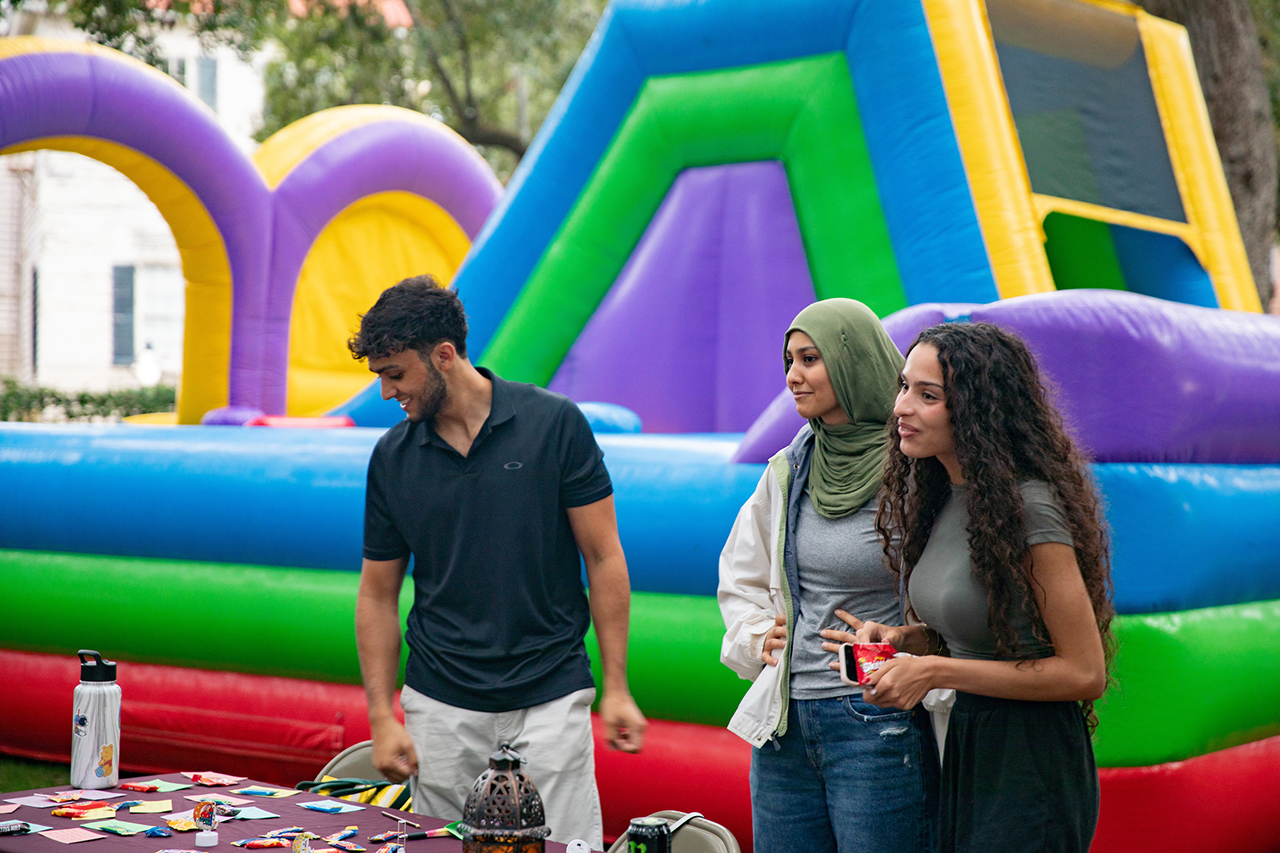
(673, 660)
(1190, 683)
(802, 112)
(1187, 683)
(1081, 253)
(254, 619)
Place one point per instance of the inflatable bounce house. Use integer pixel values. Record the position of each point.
(709, 169)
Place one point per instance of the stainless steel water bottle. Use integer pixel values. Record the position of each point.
(95, 724)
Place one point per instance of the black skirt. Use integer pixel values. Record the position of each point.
(1017, 776)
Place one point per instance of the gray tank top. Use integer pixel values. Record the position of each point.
(944, 593)
(841, 565)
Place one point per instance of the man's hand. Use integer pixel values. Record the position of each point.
(393, 752)
(624, 724)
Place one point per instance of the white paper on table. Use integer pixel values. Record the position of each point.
(71, 836)
(162, 786)
(342, 808)
(34, 802)
(221, 778)
(254, 813)
(217, 798)
(85, 794)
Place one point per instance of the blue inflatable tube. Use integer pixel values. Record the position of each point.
(295, 497)
(1184, 536)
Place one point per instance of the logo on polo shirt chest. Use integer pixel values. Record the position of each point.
(512, 466)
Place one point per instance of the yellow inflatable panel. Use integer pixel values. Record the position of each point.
(206, 348)
(290, 145)
(1196, 164)
(989, 146)
(366, 248)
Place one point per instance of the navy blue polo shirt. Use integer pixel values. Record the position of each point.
(499, 612)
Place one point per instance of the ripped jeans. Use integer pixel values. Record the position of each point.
(847, 777)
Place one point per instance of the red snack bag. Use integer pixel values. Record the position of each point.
(869, 657)
(140, 786)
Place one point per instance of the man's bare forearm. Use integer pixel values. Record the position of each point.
(378, 638)
(611, 615)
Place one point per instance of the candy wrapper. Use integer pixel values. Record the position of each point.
(287, 832)
(158, 832)
(261, 843)
(349, 846)
(78, 810)
(343, 834)
(140, 787)
(389, 835)
(869, 657)
(63, 796)
(183, 825)
(391, 848)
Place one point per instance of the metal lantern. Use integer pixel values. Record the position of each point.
(503, 812)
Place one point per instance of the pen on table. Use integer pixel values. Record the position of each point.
(397, 817)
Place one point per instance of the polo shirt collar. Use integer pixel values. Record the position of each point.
(500, 411)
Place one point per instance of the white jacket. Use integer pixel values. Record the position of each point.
(752, 593)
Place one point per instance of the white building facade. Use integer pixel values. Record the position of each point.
(91, 286)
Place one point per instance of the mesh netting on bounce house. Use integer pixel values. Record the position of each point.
(708, 170)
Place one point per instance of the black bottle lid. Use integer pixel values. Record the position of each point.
(96, 669)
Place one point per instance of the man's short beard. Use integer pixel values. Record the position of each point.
(434, 395)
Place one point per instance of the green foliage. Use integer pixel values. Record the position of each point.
(333, 57)
(19, 402)
(468, 63)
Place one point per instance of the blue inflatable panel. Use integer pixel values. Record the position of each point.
(295, 497)
(920, 175)
(283, 497)
(1184, 536)
(1192, 536)
(924, 189)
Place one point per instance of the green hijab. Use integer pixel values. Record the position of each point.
(863, 365)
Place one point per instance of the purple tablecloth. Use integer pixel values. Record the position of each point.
(370, 821)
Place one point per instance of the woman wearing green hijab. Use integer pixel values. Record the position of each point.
(829, 772)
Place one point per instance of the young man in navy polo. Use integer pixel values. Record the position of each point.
(494, 488)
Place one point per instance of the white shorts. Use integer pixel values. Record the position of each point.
(454, 745)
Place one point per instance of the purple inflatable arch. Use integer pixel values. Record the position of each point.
(51, 90)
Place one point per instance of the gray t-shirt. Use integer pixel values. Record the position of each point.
(947, 597)
(841, 565)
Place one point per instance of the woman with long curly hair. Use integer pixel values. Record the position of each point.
(994, 527)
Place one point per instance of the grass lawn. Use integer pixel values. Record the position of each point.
(23, 774)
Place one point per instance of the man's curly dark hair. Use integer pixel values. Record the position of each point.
(1006, 431)
(416, 314)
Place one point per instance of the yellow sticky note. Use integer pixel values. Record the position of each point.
(152, 807)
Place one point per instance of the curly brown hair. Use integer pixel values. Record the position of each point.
(1006, 432)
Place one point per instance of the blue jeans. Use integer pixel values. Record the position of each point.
(848, 777)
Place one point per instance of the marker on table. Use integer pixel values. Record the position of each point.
(397, 817)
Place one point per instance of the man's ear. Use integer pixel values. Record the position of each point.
(444, 356)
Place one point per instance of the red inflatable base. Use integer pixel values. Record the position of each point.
(1227, 800)
(284, 730)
